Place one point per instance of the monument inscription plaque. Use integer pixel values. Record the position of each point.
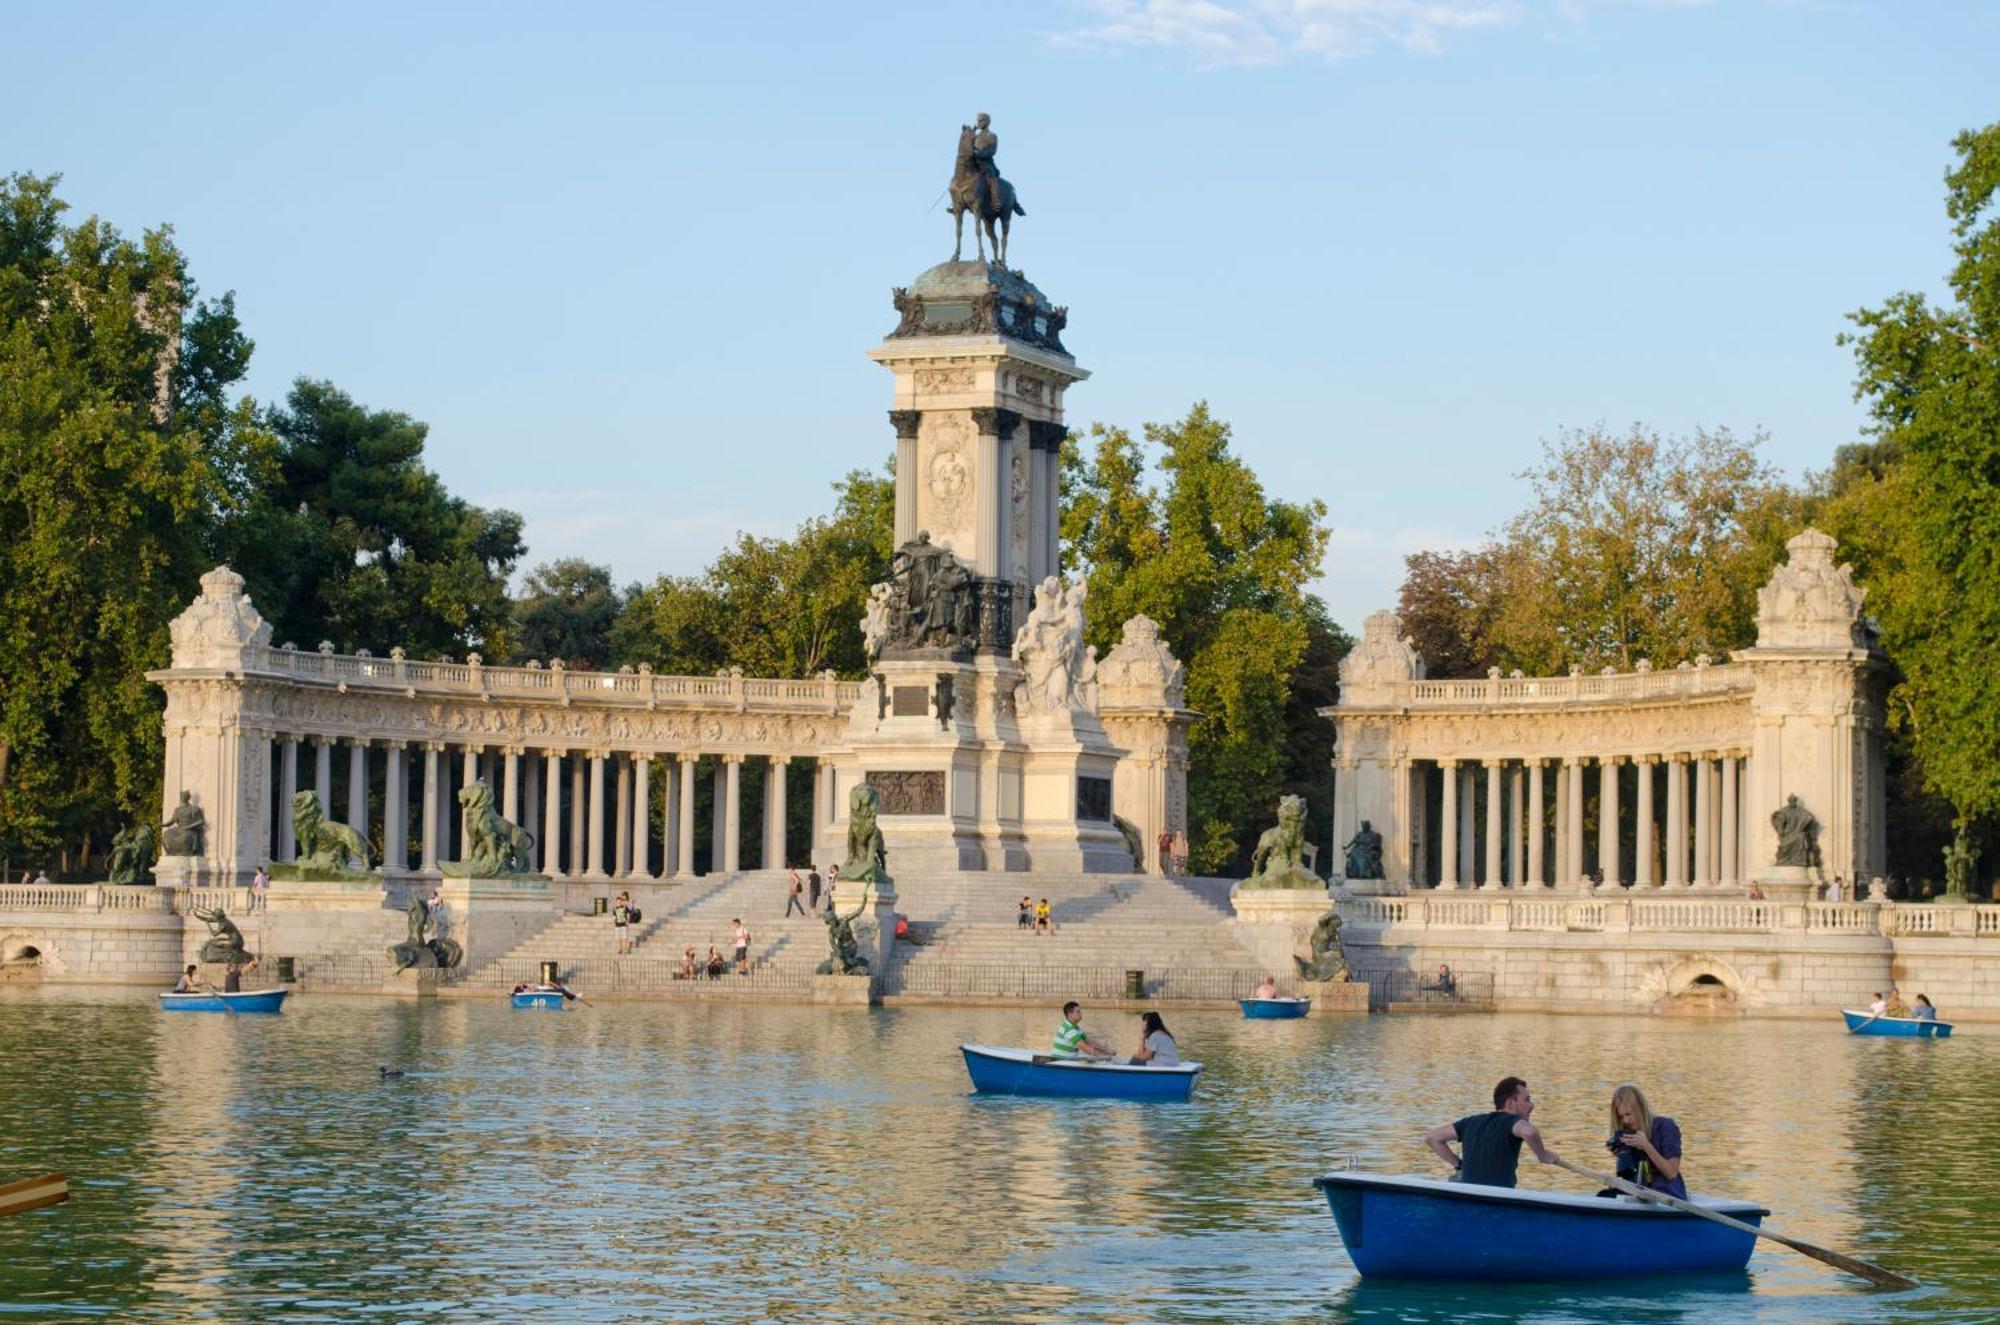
(1093, 798)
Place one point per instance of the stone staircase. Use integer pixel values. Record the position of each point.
(964, 940)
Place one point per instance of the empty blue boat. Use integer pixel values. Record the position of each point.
(1406, 1227)
(1024, 1072)
(538, 998)
(255, 1000)
(1921, 1027)
(1274, 1009)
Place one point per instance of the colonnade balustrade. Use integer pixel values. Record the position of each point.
(1579, 821)
(592, 814)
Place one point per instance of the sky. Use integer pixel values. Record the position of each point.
(625, 260)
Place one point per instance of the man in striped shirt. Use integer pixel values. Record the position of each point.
(1070, 1040)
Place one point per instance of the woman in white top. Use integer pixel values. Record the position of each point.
(1158, 1048)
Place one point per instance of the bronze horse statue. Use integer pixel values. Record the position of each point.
(977, 187)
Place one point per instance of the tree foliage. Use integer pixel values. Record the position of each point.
(566, 611)
(119, 448)
(1919, 507)
(774, 607)
(1223, 568)
(351, 539)
(1632, 546)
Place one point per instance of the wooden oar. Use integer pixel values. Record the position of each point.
(33, 1193)
(1874, 1274)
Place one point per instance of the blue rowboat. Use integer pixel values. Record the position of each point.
(539, 998)
(1024, 1072)
(1405, 1227)
(255, 1000)
(1274, 1009)
(1921, 1027)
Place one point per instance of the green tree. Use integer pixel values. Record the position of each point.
(1919, 509)
(1223, 568)
(774, 607)
(1447, 605)
(119, 450)
(351, 539)
(566, 610)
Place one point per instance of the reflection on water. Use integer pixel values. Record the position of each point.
(647, 1161)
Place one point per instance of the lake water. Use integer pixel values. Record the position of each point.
(629, 1162)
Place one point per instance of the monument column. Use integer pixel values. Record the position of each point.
(288, 846)
(1607, 822)
(684, 824)
(1468, 840)
(1517, 824)
(994, 509)
(670, 815)
(323, 774)
(1704, 824)
(822, 796)
(464, 815)
(577, 800)
(510, 786)
(1535, 877)
(1730, 874)
(429, 860)
(622, 853)
(642, 809)
(551, 844)
(1578, 875)
(718, 817)
(1675, 841)
(395, 813)
(1642, 866)
(594, 822)
(1494, 818)
(732, 835)
(531, 809)
(774, 812)
(1449, 827)
(905, 422)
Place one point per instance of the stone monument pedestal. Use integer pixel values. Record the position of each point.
(1788, 883)
(853, 991)
(1336, 997)
(490, 917)
(188, 872)
(416, 982)
(1276, 925)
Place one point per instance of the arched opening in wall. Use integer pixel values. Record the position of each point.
(20, 959)
(1702, 984)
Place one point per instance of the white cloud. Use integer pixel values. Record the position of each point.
(1240, 32)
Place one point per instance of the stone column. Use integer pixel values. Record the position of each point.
(1675, 840)
(593, 824)
(432, 810)
(1448, 826)
(718, 816)
(1607, 821)
(1535, 877)
(1704, 824)
(1468, 838)
(670, 816)
(642, 813)
(1730, 874)
(465, 815)
(395, 812)
(1642, 867)
(323, 774)
(989, 489)
(577, 799)
(510, 786)
(1561, 835)
(1517, 824)
(774, 812)
(905, 422)
(732, 819)
(1494, 818)
(622, 853)
(288, 787)
(531, 809)
(1574, 836)
(820, 818)
(684, 824)
(551, 843)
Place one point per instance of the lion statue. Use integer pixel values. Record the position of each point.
(1279, 861)
(493, 847)
(324, 844)
(867, 857)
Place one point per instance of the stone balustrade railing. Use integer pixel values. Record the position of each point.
(94, 898)
(822, 694)
(1693, 915)
(1616, 687)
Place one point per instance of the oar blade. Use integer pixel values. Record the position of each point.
(1861, 1269)
(33, 1193)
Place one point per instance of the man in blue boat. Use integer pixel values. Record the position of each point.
(1070, 1040)
(1491, 1142)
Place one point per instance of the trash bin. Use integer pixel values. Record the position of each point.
(599, 905)
(549, 974)
(288, 970)
(1135, 984)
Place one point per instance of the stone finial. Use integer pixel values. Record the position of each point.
(1384, 657)
(1141, 671)
(1809, 602)
(218, 626)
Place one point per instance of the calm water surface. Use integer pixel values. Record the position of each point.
(631, 1162)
